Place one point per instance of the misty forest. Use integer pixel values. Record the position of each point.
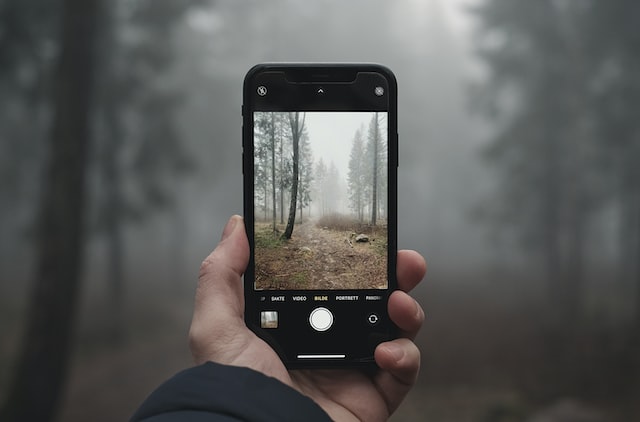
(518, 180)
(338, 211)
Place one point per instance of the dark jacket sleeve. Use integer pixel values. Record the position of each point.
(214, 392)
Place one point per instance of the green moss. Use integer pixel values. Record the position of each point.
(267, 239)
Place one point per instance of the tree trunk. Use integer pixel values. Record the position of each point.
(300, 199)
(635, 242)
(265, 188)
(374, 184)
(114, 221)
(273, 169)
(296, 131)
(112, 143)
(551, 203)
(300, 205)
(572, 286)
(42, 367)
(177, 252)
(281, 182)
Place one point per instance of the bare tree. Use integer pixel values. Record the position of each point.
(273, 168)
(296, 132)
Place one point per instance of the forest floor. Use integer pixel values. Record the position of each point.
(320, 256)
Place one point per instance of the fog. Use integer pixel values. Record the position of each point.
(433, 118)
(517, 180)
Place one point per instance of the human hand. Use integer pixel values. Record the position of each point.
(218, 333)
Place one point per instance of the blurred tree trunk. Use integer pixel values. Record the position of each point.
(178, 250)
(41, 371)
(551, 214)
(573, 285)
(629, 200)
(626, 242)
(114, 220)
(634, 198)
(637, 260)
(111, 100)
(580, 191)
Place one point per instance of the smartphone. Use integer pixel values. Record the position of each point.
(320, 159)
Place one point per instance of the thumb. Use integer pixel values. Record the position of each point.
(233, 249)
(219, 303)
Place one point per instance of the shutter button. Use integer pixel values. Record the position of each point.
(321, 319)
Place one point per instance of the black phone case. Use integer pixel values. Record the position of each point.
(359, 318)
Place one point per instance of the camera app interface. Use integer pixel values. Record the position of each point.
(320, 201)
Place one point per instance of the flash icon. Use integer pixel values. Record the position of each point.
(262, 90)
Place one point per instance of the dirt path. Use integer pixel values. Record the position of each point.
(320, 258)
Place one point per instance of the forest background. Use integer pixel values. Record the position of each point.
(519, 181)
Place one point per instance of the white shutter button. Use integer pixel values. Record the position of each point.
(321, 319)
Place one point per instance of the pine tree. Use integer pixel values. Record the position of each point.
(357, 177)
(320, 174)
(374, 153)
(538, 96)
(306, 172)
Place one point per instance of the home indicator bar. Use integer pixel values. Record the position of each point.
(322, 356)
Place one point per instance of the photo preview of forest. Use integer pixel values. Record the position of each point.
(320, 200)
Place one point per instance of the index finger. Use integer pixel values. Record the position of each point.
(411, 268)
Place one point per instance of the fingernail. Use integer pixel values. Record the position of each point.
(231, 224)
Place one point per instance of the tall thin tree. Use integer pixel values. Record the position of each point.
(297, 127)
(357, 177)
(374, 134)
(273, 169)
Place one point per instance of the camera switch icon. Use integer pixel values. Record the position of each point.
(373, 319)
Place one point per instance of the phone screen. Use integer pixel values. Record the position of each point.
(320, 200)
(320, 172)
